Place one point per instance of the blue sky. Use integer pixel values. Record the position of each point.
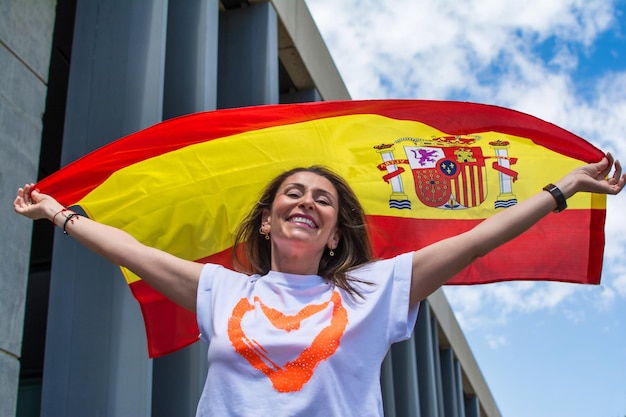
(545, 349)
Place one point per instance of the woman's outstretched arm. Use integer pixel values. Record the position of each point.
(434, 265)
(173, 277)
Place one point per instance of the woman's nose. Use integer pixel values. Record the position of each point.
(307, 201)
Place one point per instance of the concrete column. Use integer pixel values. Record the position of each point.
(405, 378)
(386, 381)
(96, 358)
(191, 60)
(190, 86)
(248, 57)
(472, 406)
(448, 379)
(459, 388)
(425, 350)
(25, 39)
(437, 362)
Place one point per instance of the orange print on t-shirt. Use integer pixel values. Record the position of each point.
(294, 374)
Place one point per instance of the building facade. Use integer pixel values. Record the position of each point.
(78, 74)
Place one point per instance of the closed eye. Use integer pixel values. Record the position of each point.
(323, 201)
(293, 192)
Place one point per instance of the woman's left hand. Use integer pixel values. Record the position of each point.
(594, 178)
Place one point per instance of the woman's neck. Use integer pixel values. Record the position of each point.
(296, 260)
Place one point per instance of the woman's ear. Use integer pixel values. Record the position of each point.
(266, 220)
(333, 240)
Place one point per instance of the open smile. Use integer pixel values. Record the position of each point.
(304, 220)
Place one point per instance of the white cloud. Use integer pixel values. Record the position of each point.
(492, 305)
(434, 49)
(496, 341)
(605, 297)
(620, 285)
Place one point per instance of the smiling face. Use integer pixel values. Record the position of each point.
(298, 243)
(302, 221)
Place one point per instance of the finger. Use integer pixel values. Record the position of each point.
(20, 203)
(621, 181)
(28, 189)
(22, 195)
(35, 197)
(606, 169)
(617, 174)
(18, 199)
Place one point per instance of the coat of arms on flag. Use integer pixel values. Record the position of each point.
(449, 172)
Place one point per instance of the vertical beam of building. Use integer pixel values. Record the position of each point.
(425, 350)
(453, 336)
(437, 362)
(178, 380)
(460, 402)
(405, 378)
(386, 381)
(190, 86)
(248, 57)
(472, 406)
(191, 58)
(96, 361)
(448, 381)
(25, 38)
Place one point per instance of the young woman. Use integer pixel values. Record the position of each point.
(304, 328)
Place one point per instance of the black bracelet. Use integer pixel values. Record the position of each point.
(561, 203)
(69, 218)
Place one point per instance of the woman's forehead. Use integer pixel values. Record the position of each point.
(311, 180)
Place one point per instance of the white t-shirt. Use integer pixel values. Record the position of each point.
(295, 345)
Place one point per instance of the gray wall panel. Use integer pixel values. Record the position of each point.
(248, 57)
(25, 39)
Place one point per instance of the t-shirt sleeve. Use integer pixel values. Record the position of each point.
(386, 291)
(205, 299)
(405, 316)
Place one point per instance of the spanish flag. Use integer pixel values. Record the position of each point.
(423, 170)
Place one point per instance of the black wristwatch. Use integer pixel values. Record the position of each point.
(561, 203)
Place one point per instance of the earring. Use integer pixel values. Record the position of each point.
(331, 253)
(264, 233)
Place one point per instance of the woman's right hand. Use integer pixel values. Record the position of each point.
(174, 277)
(30, 203)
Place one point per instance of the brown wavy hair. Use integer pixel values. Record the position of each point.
(252, 251)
